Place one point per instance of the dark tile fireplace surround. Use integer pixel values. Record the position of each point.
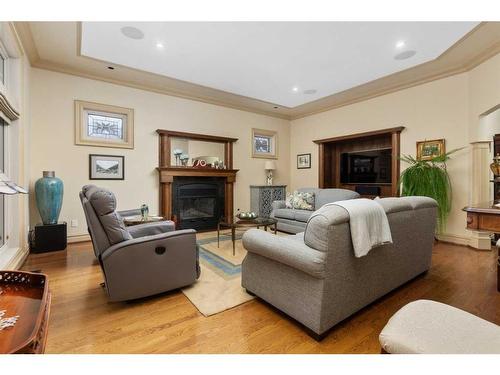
(197, 202)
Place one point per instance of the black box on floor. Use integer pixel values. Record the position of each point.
(50, 237)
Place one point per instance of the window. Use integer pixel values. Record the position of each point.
(2, 197)
(103, 125)
(264, 144)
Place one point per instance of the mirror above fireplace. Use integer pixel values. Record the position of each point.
(186, 152)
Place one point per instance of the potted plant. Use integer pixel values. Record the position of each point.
(429, 178)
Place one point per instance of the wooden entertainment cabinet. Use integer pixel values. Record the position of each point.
(331, 149)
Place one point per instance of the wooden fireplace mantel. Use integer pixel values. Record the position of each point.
(167, 172)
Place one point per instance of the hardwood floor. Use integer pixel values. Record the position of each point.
(83, 321)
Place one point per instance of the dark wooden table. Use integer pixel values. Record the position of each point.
(485, 217)
(27, 295)
(243, 224)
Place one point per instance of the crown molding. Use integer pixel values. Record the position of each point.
(477, 46)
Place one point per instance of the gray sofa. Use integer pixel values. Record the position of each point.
(140, 260)
(294, 221)
(314, 276)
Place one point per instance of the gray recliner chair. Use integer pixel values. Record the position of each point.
(141, 260)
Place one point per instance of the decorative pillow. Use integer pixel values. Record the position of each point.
(289, 200)
(300, 201)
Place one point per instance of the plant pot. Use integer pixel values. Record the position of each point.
(49, 194)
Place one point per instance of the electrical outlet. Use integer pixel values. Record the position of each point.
(74, 223)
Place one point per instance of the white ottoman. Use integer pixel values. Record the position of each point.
(429, 327)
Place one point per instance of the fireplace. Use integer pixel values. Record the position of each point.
(198, 202)
(195, 197)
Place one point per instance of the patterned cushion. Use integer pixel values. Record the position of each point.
(300, 201)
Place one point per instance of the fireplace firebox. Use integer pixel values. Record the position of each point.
(198, 202)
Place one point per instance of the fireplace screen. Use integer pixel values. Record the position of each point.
(198, 203)
(195, 208)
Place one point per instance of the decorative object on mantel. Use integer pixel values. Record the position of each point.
(303, 161)
(8, 187)
(184, 159)
(208, 162)
(144, 211)
(270, 166)
(495, 166)
(200, 163)
(7, 322)
(103, 125)
(49, 192)
(427, 150)
(106, 167)
(263, 196)
(177, 153)
(264, 144)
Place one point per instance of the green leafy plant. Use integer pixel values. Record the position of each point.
(429, 178)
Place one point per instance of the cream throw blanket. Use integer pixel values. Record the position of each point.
(368, 222)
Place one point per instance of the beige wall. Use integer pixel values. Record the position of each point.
(53, 145)
(449, 108)
(431, 111)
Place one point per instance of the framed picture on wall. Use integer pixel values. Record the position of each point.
(106, 167)
(427, 150)
(303, 161)
(264, 144)
(103, 125)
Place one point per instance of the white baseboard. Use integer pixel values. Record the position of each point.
(18, 259)
(470, 241)
(454, 239)
(79, 238)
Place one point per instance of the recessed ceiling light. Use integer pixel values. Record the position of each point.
(295, 89)
(310, 91)
(400, 44)
(132, 32)
(405, 55)
(160, 45)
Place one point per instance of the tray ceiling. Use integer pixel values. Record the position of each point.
(285, 63)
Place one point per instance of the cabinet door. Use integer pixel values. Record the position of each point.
(266, 201)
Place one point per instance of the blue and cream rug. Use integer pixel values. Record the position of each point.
(219, 286)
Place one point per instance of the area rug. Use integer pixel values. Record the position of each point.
(219, 286)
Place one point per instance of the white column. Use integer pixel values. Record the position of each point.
(480, 188)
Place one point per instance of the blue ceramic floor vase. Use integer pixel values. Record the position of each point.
(49, 195)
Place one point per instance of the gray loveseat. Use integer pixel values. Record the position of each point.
(140, 260)
(314, 276)
(294, 220)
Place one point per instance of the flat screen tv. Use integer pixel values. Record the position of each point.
(366, 167)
